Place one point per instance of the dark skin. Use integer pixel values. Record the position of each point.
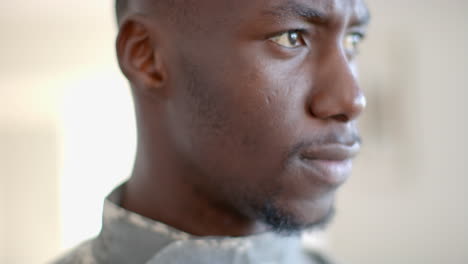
(246, 111)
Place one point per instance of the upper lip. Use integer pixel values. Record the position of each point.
(331, 152)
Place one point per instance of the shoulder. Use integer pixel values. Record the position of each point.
(320, 257)
(82, 254)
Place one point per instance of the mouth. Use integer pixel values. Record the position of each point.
(330, 164)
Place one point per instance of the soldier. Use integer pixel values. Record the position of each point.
(246, 115)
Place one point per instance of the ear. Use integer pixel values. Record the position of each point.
(139, 58)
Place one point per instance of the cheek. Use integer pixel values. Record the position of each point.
(260, 111)
(238, 116)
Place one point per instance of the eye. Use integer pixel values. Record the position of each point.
(351, 43)
(289, 39)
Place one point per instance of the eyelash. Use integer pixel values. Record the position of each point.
(300, 32)
(360, 35)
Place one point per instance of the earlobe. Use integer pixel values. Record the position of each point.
(138, 58)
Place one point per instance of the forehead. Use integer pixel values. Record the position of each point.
(354, 11)
(325, 6)
(235, 10)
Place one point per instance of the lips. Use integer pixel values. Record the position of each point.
(331, 152)
(330, 164)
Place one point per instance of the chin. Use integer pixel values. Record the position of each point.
(293, 219)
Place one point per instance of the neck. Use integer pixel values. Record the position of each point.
(159, 189)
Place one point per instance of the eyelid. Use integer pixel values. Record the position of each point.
(277, 34)
(361, 35)
(358, 32)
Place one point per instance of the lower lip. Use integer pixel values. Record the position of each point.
(331, 172)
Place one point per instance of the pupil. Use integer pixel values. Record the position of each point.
(293, 36)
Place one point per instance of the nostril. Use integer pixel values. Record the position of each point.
(340, 118)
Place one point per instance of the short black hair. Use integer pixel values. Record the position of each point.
(175, 8)
(120, 6)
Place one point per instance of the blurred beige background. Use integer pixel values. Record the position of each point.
(67, 133)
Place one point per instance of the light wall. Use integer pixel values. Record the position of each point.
(407, 201)
(48, 50)
(67, 132)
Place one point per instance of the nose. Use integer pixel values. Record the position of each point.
(336, 95)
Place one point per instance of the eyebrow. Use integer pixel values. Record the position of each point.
(294, 9)
(361, 19)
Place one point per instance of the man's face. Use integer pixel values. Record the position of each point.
(263, 104)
